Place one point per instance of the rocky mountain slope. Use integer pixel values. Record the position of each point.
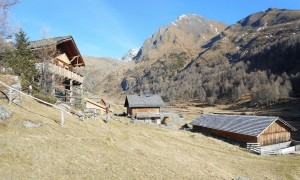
(255, 34)
(257, 56)
(168, 50)
(186, 34)
(268, 41)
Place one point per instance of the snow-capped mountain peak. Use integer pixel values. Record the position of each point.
(130, 54)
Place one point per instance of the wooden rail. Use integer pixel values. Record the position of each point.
(11, 89)
(61, 71)
(255, 147)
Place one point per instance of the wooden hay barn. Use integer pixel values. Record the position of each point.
(144, 107)
(265, 130)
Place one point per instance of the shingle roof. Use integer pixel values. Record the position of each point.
(246, 125)
(143, 101)
(48, 42)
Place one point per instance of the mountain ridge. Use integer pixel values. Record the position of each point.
(236, 53)
(186, 34)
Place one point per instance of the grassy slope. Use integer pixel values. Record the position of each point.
(93, 149)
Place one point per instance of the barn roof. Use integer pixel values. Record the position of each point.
(246, 125)
(65, 44)
(143, 101)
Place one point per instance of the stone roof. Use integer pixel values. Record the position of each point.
(65, 44)
(246, 125)
(48, 42)
(147, 100)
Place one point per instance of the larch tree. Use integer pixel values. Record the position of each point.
(4, 32)
(4, 7)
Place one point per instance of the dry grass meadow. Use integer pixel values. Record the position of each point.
(92, 149)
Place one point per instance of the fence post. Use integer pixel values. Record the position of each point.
(10, 96)
(62, 117)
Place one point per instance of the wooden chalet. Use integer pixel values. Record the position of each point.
(62, 57)
(144, 107)
(265, 130)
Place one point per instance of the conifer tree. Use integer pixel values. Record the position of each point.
(20, 58)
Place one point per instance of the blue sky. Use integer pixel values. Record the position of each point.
(109, 28)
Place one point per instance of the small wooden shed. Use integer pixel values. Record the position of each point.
(97, 104)
(148, 103)
(265, 130)
(145, 107)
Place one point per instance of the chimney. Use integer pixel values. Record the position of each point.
(9, 39)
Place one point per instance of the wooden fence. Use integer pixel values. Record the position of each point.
(255, 147)
(10, 98)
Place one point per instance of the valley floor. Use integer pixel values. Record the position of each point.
(92, 149)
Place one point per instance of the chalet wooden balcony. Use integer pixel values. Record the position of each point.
(66, 73)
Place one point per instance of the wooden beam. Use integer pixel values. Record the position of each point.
(77, 60)
(79, 64)
(74, 58)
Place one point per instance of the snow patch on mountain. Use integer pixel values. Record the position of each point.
(130, 54)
